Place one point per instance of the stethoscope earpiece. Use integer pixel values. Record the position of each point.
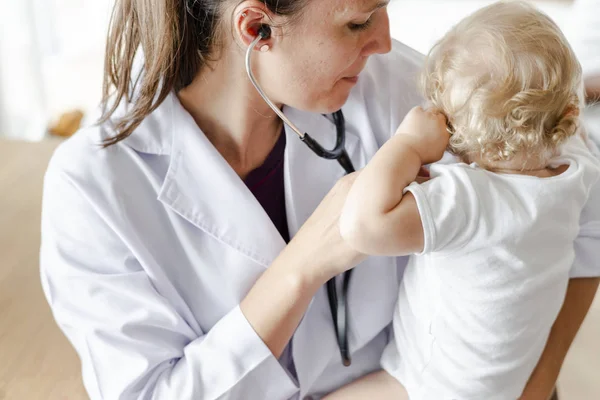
(264, 31)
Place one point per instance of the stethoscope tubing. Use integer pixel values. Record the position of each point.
(338, 303)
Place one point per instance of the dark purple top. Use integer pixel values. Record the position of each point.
(266, 184)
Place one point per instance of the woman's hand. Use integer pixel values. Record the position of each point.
(319, 244)
(426, 132)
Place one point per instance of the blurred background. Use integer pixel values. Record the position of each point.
(51, 54)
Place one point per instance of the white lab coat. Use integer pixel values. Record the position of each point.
(149, 246)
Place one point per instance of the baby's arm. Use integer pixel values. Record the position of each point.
(375, 386)
(378, 218)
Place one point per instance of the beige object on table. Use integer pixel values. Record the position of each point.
(67, 124)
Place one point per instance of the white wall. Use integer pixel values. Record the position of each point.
(419, 23)
(22, 98)
(51, 54)
(74, 71)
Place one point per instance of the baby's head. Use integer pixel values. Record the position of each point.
(509, 84)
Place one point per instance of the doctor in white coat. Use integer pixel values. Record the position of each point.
(168, 272)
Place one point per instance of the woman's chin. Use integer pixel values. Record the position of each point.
(338, 103)
(327, 103)
(335, 101)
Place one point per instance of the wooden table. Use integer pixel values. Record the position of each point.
(36, 360)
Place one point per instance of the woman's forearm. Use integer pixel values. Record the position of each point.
(278, 300)
(579, 297)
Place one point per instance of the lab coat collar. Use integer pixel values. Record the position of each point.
(202, 188)
(154, 135)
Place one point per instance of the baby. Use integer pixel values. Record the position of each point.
(492, 235)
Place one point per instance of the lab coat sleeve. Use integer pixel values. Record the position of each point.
(388, 90)
(132, 342)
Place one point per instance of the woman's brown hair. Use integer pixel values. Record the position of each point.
(174, 38)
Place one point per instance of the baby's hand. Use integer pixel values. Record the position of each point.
(426, 133)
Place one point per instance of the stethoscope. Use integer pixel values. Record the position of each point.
(338, 302)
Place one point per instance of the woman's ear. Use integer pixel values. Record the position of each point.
(248, 21)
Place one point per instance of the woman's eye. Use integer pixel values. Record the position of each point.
(360, 27)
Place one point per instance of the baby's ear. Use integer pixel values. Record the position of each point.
(449, 127)
(571, 111)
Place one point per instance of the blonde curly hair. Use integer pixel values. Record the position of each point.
(508, 81)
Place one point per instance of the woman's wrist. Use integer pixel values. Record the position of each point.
(278, 300)
(298, 272)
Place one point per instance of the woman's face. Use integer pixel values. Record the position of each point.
(315, 60)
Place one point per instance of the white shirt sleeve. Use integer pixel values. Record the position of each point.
(436, 198)
(448, 205)
(133, 343)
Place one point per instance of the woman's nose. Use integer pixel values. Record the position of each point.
(381, 41)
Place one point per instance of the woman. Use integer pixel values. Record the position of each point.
(164, 255)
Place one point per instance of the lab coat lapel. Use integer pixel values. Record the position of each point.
(202, 188)
(308, 179)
